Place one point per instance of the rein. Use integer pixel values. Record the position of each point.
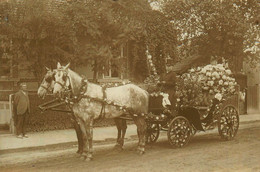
(46, 88)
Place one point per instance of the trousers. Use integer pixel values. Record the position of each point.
(21, 124)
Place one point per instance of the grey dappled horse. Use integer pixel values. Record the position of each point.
(91, 104)
(46, 87)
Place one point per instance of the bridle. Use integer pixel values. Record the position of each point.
(46, 88)
(65, 77)
(49, 84)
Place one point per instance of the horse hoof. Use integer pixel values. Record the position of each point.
(88, 159)
(82, 157)
(79, 152)
(141, 152)
(78, 155)
(118, 147)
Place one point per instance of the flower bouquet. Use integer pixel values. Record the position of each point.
(200, 85)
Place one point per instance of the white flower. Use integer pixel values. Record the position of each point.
(215, 74)
(213, 78)
(178, 100)
(149, 57)
(228, 72)
(205, 88)
(231, 83)
(208, 74)
(224, 77)
(220, 82)
(203, 70)
(218, 96)
(225, 83)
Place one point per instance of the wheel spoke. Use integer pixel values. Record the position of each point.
(228, 123)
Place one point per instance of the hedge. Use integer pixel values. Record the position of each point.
(52, 120)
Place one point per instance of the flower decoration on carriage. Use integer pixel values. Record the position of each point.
(200, 85)
(152, 81)
(115, 84)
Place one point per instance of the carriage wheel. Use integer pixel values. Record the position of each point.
(228, 122)
(152, 133)
(180, 131)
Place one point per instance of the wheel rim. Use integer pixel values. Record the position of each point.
(179, 132)
(228, 123)
(152, 133)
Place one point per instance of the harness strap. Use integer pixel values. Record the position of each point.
(46, 88)
(62, 85)
(103, 111)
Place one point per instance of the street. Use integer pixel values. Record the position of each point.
(205, 152)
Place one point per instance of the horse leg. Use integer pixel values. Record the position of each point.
(89, 131)
(78, 132)
(124, 127)
(84, 138)
(121, 128)
(141, 130)
(118, 126)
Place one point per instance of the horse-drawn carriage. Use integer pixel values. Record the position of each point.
(206, 97)
(89, 101)
(182, 124)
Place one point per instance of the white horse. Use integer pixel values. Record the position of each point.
(96, 102)
(45, 88)
(47, 84)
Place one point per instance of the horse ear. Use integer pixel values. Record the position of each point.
(67, 66)
(47, 68)
(58, 65)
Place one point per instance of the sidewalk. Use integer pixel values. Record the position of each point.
(48, 138)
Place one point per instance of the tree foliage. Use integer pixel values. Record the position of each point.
(85, 32)
(215, 28)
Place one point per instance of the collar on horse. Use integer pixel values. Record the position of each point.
(83, 90)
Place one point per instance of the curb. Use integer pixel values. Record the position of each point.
(75, 143)
(64, 145)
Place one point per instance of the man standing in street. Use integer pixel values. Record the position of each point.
(21, 110)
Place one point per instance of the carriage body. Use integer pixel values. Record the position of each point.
(182, 123)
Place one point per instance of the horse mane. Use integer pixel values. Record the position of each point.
(75, 81)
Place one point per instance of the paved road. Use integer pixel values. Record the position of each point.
(204, 153)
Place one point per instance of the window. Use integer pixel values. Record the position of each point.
(116, 65)
(5, 66)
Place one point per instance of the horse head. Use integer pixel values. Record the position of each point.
(47, 83)
(62, 81)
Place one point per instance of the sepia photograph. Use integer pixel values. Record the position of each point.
(130, 85)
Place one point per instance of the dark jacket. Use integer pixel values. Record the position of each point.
(21, 103)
